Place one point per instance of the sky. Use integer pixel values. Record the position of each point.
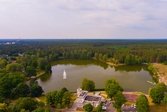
(111, 19)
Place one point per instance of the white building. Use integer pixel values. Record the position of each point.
(84, 98)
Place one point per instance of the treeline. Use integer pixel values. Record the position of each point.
(132, 52)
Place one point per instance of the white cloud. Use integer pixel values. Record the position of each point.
(83, 18)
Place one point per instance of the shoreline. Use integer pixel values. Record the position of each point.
(161, 71)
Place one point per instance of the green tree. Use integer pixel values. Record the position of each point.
(88, 85)
(99, 108)
(35, 89)
(14, 67)
(30, 71)
(27, 104)
(42, 63)
(88, 107)
(8, 82)
(48, 68)
(58, 99)
(21, 90)
(142, 104)
(66, 100)
(119, 100)
(3, 63)
(50, 97)
(157, 92)
(112, 87)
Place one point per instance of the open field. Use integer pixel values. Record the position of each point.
(161, 71)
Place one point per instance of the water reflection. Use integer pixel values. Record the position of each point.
(135, 68)
(131, 78)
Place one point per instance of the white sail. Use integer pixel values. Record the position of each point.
(64, 75)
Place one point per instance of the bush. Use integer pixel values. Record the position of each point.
(142, 104)
(27, 104)
(88, 107)
(157, 92)
(88, 85)
(112, 87)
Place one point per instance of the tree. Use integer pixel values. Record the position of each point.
(35, 89)
(88, 107)
(88, 85)
(14, 67)
(3, 63)
(59, 99)
(142, 104)
(21, 90)
(99, 108)
(157, 92)
(8, 82)
(50, 97)
(112, 87)
(132, 60)
(27, 104)
(66, 100)
(119, 100)
(30, 71)
(42, 63)
(48, 68)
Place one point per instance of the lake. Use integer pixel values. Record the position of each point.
(131, 78)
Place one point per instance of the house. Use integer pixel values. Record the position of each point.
(85, 98)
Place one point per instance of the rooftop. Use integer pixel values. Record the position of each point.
(93, 98)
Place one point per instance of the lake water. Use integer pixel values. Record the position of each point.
(131, 78)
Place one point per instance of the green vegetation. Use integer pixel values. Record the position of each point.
(14, 67)
(3, 63)
(8, 83)
(119, 100)
(27, 58)
(99, 108)
(112, 87)
(24, 104)
(142, 104)
(132, 60)
(115, 51)
(35, 89)
(88, 85)
(165, 99)
(114, 90)
(30, 71)
(59, 99)
(157, 93)
(153, 72)
(88, 107)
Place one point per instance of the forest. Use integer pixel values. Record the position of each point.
(128, 52)
(28, 59)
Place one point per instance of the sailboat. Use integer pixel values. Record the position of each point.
(64, 75)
